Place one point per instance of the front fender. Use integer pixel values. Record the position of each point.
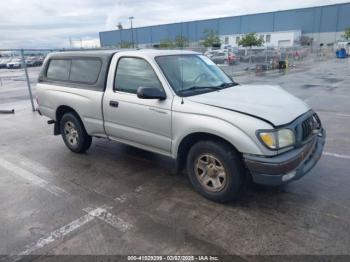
(185, 124)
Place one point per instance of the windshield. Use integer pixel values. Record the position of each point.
(193, 74)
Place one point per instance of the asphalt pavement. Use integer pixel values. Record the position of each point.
(116, 199)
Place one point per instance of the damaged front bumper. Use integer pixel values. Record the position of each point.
(286, 167)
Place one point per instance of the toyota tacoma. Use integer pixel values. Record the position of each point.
(181, 105)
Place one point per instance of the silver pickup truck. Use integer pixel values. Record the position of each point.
(181, 105)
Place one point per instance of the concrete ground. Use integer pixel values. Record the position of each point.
(119, 200)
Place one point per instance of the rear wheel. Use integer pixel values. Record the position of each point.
(215, 170)
(74, 134)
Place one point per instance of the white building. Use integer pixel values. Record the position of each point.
(273, 39)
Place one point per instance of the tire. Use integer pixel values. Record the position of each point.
(215, 158)
(74, 134)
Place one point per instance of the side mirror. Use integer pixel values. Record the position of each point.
(150, 93)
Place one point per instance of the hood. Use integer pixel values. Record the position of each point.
(270, 103)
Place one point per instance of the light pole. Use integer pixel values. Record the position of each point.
(132, 31)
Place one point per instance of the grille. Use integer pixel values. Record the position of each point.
(309, 125)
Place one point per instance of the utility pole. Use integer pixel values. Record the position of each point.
(132, 31)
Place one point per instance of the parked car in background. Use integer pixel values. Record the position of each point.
(34, 61)
(4, 61)
(210, 53)
(30, 61)
(15, 63)
(39, 61)
(223, 57)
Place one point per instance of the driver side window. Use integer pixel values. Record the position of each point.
(133, 73)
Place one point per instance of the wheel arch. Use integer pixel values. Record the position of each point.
(60, 111)
(190, 139)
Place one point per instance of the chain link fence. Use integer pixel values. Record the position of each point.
(15, 81)
(235, 60)
(19, 68)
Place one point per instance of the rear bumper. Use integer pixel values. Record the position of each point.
(287, 167)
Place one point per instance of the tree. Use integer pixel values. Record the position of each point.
(347, 33)
(181, 41)
(166, 43)
(211, 38)
(120, 26)
(250, 40)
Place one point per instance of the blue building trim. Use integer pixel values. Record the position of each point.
(321, 19)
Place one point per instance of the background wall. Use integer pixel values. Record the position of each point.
(318, 22)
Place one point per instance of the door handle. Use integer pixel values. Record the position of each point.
(113, 103)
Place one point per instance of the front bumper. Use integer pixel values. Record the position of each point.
(287, 167)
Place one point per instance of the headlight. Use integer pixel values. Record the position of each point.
(276, 139)
(285, 138)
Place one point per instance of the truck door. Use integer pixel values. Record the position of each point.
(145, 123)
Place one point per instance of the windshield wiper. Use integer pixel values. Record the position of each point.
(225, 85)
(195, 88)
(219, 87)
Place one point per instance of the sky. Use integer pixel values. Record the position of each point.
(58, 23)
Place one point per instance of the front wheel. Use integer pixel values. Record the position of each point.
(215, 170)
(74, 134)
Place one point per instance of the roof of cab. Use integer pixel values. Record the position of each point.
(109, 53)
(89, 53)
